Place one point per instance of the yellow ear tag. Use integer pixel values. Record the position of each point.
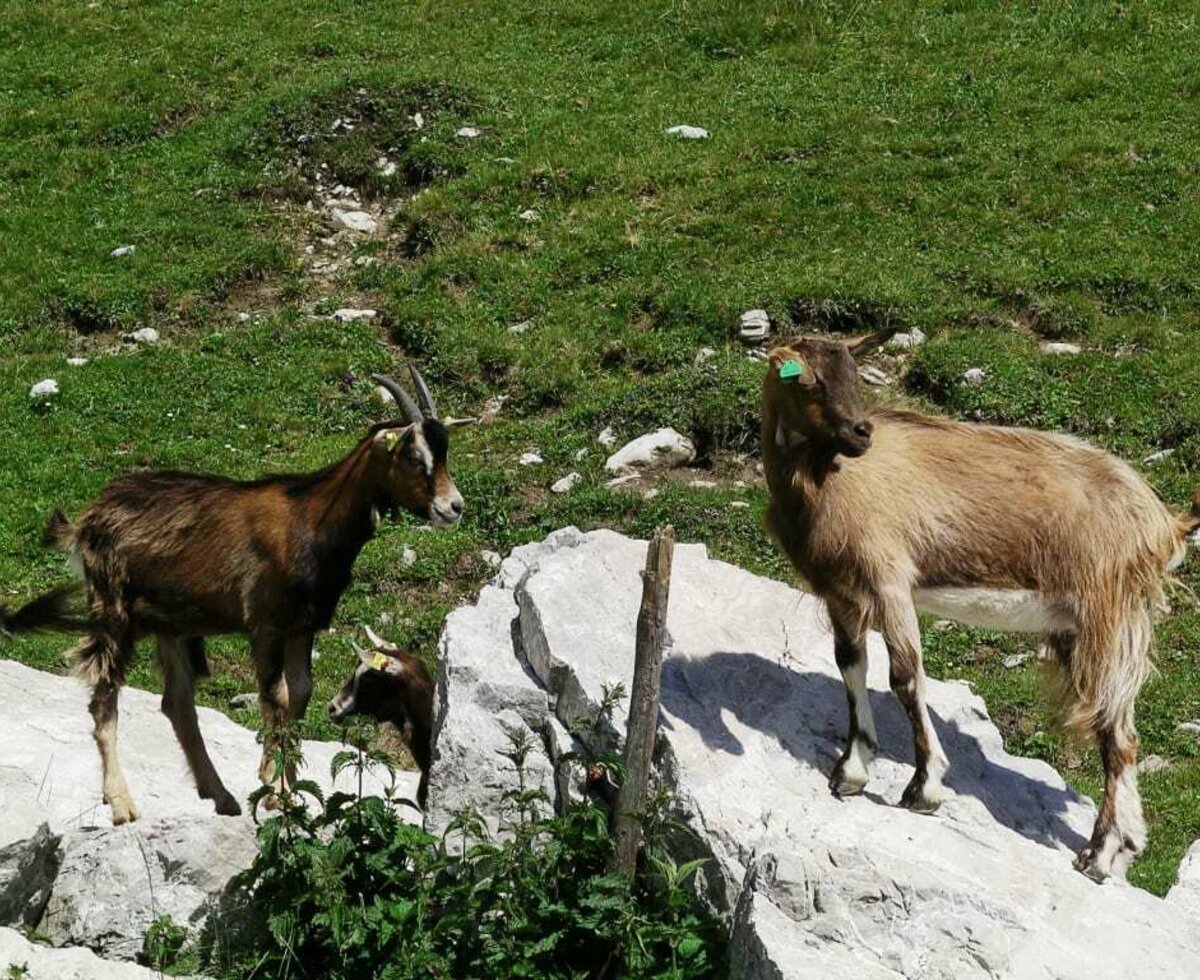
(380, 662)
(390, 439)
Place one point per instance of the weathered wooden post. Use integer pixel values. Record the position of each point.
(643, 699)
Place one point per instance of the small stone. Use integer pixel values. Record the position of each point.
(529, 215)
(607, 437)
(566, 484)
(120, 253)
(754, 326)
(44, 389)
(622, 481)
(350, 314)
(739, 505)
(873, 376)
(703, 484)
(1191, 727)
(1152, 764)
(76, 361)
(144, 335)
(1160, 455)
(357, 221)
(703, 356)
(1053, 347)
(245, 317)
(520, 327)
(386, 167)
(581, 453)
(1014, 660)
(974, 376)
(688, 132)
(943, 625)
(408, 557)
(907, 341)
(417, 120)
(663, 449)
(243, 702)
(650, 494)
(491, 558)
(468, 133)
(531, 459)
(492, 408)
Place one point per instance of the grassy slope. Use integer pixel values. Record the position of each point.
(992, 174)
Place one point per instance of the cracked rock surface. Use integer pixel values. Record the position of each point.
(753, 714)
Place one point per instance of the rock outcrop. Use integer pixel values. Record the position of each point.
(66, 870)
(753, 715)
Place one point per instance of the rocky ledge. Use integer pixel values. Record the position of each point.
(752, 718)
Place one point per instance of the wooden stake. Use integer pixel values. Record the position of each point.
(643, 699)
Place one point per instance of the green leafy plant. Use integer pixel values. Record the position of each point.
(346, 888)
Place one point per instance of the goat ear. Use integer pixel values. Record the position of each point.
(862, 346)
(789, 367)
(390, 440)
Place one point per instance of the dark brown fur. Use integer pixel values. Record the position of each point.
(181, 557)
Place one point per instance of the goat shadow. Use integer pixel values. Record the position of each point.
(805, 713)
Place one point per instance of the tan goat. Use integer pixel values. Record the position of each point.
(1006, 529)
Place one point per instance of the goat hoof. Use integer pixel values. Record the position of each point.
(920, 797)
(1089, 863)
(227, 806)
(842, 785)
(123, 811)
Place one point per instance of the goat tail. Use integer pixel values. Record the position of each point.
(52, 611)
(59, 533)
(1096, 681)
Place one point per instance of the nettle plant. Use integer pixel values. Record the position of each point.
(346, 889)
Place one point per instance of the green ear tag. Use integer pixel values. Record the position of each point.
(790, 370)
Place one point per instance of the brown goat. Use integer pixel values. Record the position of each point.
(181, 557)
(392, 685)
(886, 512)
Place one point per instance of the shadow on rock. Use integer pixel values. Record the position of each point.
(805, 713)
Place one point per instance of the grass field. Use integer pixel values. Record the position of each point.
(996, 174)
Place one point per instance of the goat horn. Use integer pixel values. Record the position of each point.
(427, 405)
(403, 398)
(378, 641)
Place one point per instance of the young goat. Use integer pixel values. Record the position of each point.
(1001, 528)
(183, 557)
(392, 685)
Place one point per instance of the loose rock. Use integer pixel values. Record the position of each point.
(1152, 763)
(1015, 660)
(244, 701)
(566, 484)
(1054, 347)
(349, 314)
(491, 558)
(1160, 455)
(703, 356)
(408, 557)
(76, 361)
(754, 327)
(688, 132)
(607, 437)
(356, 221)
(906, 341)
(529, 215)
(1191, 727)
(468, 133)
(530, 459)
(873, 376)
(143, 335)
(44, 390)
(974, 376)
(122, 251)
(662, 449)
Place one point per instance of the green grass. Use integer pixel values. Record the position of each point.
(995, 174)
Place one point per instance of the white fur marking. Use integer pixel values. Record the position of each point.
(1018, 610)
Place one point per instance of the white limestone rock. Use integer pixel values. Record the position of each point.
(1055, 347)
(48, 963)
(58, 850)
(44, 390)
(754, 326)
(752, 720)
(688, 132)
(566, 484)
(360, 222)
(662, 449)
